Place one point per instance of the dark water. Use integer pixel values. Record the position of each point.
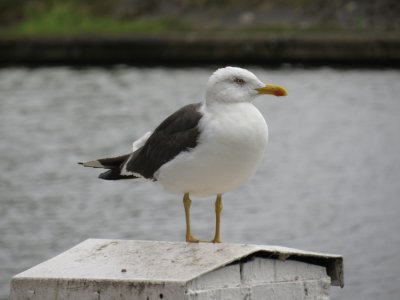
(330, 180)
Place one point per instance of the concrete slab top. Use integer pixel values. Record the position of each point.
(155, 261)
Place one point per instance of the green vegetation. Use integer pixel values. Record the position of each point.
(70, 19)
(109, 17)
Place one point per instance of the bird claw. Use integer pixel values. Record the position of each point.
(191, 239)
(216, 241)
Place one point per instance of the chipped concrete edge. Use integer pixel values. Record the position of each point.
(332, 262)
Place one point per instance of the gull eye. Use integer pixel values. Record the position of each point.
(238, 80)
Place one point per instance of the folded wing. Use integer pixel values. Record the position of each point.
(178, 133)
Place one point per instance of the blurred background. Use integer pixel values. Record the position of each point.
(329, 182)
(36, 17)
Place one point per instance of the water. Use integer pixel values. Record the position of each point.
(329, 182)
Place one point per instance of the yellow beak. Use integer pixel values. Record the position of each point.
(272, 90)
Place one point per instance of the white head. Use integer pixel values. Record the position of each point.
(232, 84)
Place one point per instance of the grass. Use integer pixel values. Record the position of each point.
(70, 19)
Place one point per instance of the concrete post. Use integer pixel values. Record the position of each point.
(146, 270)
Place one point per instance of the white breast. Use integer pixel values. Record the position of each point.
(230, 148)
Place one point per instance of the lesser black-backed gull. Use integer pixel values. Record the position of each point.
(202, 149)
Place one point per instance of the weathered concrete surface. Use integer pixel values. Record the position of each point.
(194, 49)
(262, 278)
(119, 269)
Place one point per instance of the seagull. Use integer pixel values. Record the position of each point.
(203, 149)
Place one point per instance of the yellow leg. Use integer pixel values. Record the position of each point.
(218, 209)
(186, 203)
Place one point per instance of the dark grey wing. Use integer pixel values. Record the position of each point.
(106, 163)
(179, 132)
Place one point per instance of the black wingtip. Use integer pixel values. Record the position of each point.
(114, 174)
(108, 175)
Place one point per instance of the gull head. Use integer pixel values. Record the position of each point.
(232, 85)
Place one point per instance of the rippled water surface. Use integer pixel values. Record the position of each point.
(330, 180)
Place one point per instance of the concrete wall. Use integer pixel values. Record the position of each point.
(262, 278)
(256, 279)
(146, 270)
(192, 49)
